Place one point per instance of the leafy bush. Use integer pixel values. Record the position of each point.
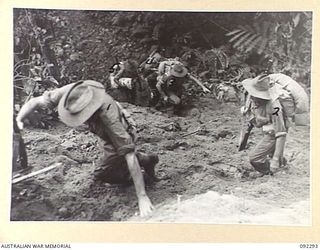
(56, 47)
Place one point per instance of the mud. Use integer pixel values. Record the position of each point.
(200, 167)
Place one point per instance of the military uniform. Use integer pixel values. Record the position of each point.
(117, 138)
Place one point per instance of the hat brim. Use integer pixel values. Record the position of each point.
(74, 120)
(249, 86)
(177, 74)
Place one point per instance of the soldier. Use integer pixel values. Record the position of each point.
(126, 76)
(274, 125)
(276, 102)
(87, 102)
(172, 74)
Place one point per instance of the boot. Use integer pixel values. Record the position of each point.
(262, 167)
(148, 163)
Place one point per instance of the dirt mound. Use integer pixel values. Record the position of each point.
(215, 208)
(198, 153)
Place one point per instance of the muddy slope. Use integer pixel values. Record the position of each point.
(198, 155)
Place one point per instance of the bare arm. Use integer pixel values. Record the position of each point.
(278, 153)
(28, 108)
(145, 205)
(118, 75)
(49, 99)
(204, 89)
(159, 87)
(123, 143)
(281, 131)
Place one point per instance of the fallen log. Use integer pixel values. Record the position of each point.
(24, 177)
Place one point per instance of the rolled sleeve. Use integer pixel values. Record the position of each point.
(161, 69)
(120, 138)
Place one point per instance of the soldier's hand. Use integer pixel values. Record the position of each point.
(274, 165)
(165, 98)
(243, 110)
(145, 206)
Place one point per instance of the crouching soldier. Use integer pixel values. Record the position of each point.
(125, 75)
(172, 75)
(267, 112)
(149, 70)
(87, 102)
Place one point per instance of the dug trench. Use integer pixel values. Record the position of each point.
(200, 168)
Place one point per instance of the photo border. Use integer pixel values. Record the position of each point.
(85, 232)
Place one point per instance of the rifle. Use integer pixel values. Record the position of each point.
(244, 136)
(144, 61)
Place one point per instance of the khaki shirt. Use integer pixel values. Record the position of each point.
(270, 117)
(106, 122)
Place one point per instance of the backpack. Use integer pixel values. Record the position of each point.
(165, 66)
(152, 61)
(292, 96)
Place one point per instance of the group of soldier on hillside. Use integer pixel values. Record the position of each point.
(271, 103)
(157, 81)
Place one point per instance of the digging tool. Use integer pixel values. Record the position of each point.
(247, 120)
(21, 178)
(244, 135)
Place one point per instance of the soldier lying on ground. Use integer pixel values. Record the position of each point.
(87, 102)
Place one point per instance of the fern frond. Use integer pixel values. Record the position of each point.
(253, 44)
(233, 32)
(250, 40)
(237, 35)
(255, 37)
(242, 39)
